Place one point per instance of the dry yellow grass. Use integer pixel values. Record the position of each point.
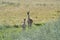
(10, 14)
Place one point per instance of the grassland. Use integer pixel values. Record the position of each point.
(49, 31)
(14, 11)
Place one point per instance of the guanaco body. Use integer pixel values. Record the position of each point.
(24, 24)
(29, 20)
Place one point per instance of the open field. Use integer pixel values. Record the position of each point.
(14, 11)
(45, 13)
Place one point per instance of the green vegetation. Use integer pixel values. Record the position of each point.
(49, 31)
(44, 14)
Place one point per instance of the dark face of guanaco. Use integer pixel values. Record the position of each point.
(28, 15)
(24, 20)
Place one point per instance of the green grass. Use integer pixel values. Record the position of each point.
(12, 13)
(49, 31)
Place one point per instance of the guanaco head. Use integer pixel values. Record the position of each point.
(28, 13)
(24, 19)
